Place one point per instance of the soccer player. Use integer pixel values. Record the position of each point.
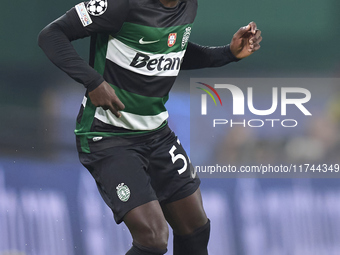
(137, 162)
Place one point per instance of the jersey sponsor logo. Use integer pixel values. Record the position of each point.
(172, 39)
(160, 64)
(97, 7)
(141, 41)
(123, 192)
(144, 63)
(186, 36)
(83, 14)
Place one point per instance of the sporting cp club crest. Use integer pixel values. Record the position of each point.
(97, 7)
(172, 39)
(186, 36)
(123, 192)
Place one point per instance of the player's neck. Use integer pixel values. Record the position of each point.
(169, 3)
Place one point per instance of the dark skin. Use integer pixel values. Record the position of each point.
(147, 223)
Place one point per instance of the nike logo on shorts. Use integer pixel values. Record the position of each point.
(97, 138)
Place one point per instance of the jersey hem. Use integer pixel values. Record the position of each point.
(88, 142)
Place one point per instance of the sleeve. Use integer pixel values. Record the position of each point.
(79, 22)
(197, 56)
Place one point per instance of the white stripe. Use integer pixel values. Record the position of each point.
(131, 121)
(84, 101)
(122, 55)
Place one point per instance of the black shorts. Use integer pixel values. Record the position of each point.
(142, 169)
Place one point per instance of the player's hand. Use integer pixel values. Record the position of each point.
(104, 96)
(246, 41)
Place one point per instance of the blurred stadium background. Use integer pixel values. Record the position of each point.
(49, 203)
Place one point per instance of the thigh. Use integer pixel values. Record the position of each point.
(186, 215)
(172, 174)
(121, 178)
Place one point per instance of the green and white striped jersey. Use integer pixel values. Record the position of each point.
(140, 60)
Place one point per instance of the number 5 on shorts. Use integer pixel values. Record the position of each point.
(174, 158)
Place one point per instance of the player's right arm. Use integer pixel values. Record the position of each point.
(55, 40)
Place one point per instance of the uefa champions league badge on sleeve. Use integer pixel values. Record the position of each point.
(97, 7)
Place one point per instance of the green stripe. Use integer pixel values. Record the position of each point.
(89, 110)
(130, 34)
(101, 49)
(85, 124)
(141, 105)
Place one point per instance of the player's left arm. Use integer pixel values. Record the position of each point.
(244, 43)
